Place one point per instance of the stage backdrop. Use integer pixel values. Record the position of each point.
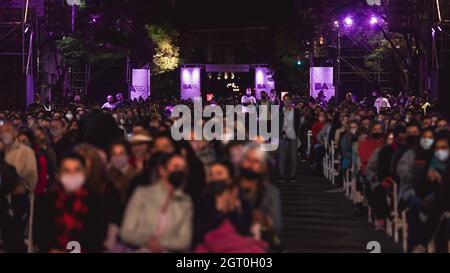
(321, 78)
(263, 81)
(140, 84)
(190, 82)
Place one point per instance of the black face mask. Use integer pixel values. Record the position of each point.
(411, 141)
(177, 178)
(216, 186)
(376, 136)
(249, 174)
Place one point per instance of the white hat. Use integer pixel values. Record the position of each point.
(139, 138)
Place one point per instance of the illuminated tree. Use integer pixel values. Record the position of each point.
(167, 53)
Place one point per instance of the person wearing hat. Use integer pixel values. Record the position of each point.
(140, 148)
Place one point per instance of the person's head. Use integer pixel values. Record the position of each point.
(441, 124)
(94, 158)
(441, 146)
(353, 127)
(119, 154)
(426, 139)
(41, 136)
(8, 133)
(344, 120)
(172, 169)
(119, 97)
(390, 138)
(348, 96)
(287, 100)
(77, 99)
(37, 98)
(412, 134)
(57, 128)
(254, 164)
(17, 122)
(322, 116)
(163, 143)
(248, 92)
(426, 122)
(72, 172)
(110, 99)
(140, 144)
(392, 123)
(26, 137)
(263, 95)
(376, 131)
(220, 171)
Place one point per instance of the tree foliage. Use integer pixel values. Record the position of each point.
(167, 53)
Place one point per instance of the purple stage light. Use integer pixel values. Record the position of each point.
(373, 20)
(348, 21)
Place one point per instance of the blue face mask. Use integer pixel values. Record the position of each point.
(426, 143)
(442, 155)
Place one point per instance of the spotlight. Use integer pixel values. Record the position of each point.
(336, 23)
(373, 20)
(348, 21)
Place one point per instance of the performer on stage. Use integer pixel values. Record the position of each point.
(120, 101)
(247, 100)
(109, 104)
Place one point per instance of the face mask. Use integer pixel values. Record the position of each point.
(249, 174)
(426, 143)
(376, 136)
(177, 178)
(215, 187)
(263, 97)
(249, 94)
(353, 131)
(441, 155)
(412, 140)
(119, 161)
(72, 183)
(69, 116)
(7, 138)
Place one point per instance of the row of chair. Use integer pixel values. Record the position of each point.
(331, 169)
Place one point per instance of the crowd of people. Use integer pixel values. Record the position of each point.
(391, 140)
(112, 178)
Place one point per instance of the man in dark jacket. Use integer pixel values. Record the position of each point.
(289, 128)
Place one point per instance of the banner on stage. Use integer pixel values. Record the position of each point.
(190, 83)
(321, 79)
(263, 81)
(140, 84)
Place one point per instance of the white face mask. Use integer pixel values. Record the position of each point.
(7, 138)
(353, 131)
(442, 155)
(72, 183)
(426, 143)
(69, 116)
